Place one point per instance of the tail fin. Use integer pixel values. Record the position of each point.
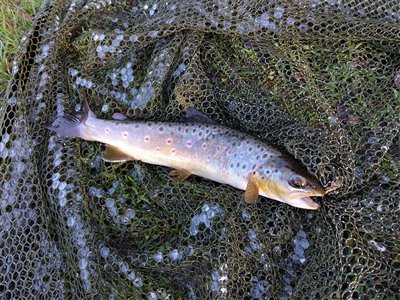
(73, 125)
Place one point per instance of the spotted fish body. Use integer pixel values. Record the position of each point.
(208, 150)
(211, 151)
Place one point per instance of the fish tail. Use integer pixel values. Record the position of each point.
(75, 124)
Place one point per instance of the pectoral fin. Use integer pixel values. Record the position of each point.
(179, 175)
(252, 189)
(113, 154)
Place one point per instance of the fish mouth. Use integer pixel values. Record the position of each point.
(320, 192)
(304, 202)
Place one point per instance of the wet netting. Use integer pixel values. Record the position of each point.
(317, 78)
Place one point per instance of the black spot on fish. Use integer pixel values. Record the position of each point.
(137, 125)
(161, 129)
(200, 134)
(276, 170)
(250, 149)
(237, 165)
(253, 167)
(194, 130)
(244, 167)
(187, 130)
(267, 172)
(257, 157)
(265, 156)
(231, 165)
(262, 177)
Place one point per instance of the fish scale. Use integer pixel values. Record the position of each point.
(208, 150)
(205, 150)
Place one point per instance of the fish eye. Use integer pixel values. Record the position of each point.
(297, 182)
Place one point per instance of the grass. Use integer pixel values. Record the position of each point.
(16, 18)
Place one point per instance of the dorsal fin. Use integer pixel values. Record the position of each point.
(193, 115)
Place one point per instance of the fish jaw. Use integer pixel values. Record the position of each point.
(300, 202)
(304, 202)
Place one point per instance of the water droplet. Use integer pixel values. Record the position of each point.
(205, 208)
(62, 185)
(377, 246)
(203, 217)
(196, 221)
(255, 245)
(332, 120)
(83, 263)
(113, 211)
(87, 285)
(251, 234)
(194, 230)
(71, 221)
(158, 257)
(152, 296)
(84, 274)
(290, 21)
(303, 27)
(174, 254)
(138, 282)
(130, 213)
(123, 267)
(110, 202)
(62, 201)
(104, 252)
(383, 179)
(210, 214)
(131, 275)
(246, 215)
(278, 12)
(55, 176)
(214, 286)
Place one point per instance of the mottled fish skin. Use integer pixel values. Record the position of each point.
(207, 150)
(204, 149)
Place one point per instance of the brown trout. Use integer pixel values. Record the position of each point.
(204, 149)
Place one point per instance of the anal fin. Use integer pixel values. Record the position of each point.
(113, 154)
(252, 191)
(179, 175)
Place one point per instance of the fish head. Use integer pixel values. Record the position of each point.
(284, 180)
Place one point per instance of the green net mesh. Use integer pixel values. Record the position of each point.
(317, 78)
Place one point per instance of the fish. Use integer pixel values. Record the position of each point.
(198, 146)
